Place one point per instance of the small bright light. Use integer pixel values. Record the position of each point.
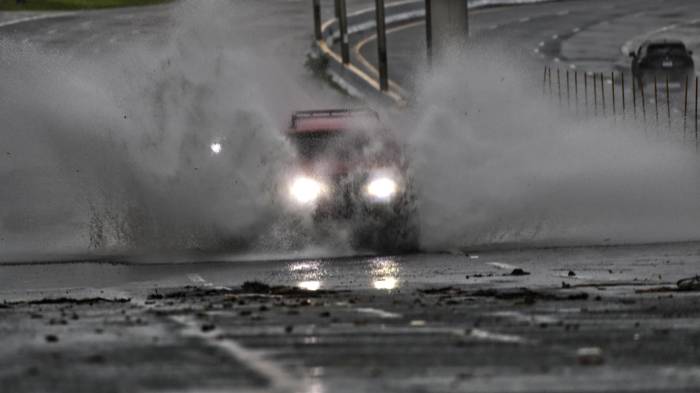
(385, 283)
(382, 188)
(305, 190)
(310, 285)
(216, 148)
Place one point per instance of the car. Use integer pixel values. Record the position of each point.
(663, 59)
(350, 169)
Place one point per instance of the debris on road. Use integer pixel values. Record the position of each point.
(518, 272)
(590, 356)
(689, 284)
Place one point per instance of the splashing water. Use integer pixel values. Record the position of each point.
(177, 147)
(496, 164)
(116, 153)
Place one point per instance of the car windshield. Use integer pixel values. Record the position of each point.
(666, 50)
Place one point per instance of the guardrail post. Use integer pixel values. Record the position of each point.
(656, 102)
(381, 46)
(317, 20)
(343, 24)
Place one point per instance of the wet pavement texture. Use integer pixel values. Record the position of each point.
(562, 320)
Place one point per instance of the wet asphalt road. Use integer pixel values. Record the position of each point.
(576, 320)
(590, 35)
(559, 320)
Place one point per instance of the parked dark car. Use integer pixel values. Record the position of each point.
(663, 59)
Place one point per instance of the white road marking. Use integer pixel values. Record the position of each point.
(51, 32)
(35, 18)
(575, 30)
(279, 379)
(525, 19)
(555, 36)
(562, 13)
(498, 337)
(377, 312)
(520, 317)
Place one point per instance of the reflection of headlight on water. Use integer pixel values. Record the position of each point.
(215, 148)
(382, 188)
(385, 283)
(305, 190)
(310, 285)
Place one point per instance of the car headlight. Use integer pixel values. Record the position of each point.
(382, 188)
(305, 190)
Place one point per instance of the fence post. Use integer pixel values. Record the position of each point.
(668, 103)
(696, 112)
(381, 46)
(595, 95)
(612, 79)
(576, 90)
(656, 102)
(549, 75)
(622, 81)
(685, 106)
(585, 91)
(568, 92)
(559, 85)
(602, 93)
(544, 82)
(644, 105)
(634, 99)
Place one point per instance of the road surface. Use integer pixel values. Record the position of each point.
(591, 36)
(560, 320)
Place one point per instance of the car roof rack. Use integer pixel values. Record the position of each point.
(330, 113)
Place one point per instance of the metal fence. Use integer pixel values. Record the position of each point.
(655, 106)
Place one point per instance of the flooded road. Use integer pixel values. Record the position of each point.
(557, 320)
